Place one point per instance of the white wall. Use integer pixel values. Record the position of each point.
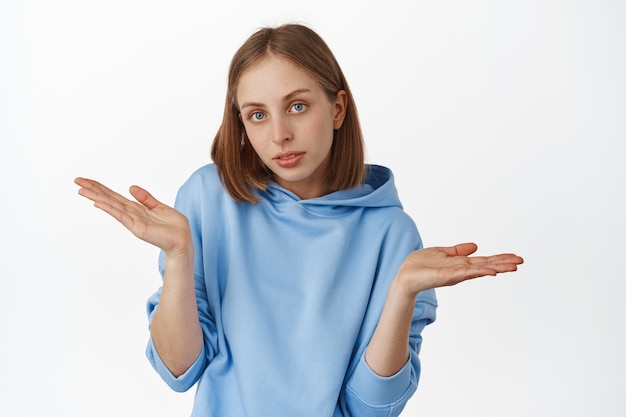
(504, 122)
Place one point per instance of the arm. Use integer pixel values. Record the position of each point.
(388, 350)
(368, 393)
(175, 327)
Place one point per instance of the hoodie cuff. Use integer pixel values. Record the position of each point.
(377, 390)
(182, 382)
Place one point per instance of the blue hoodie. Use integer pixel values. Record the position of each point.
(289, 293)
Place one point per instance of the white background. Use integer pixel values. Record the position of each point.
(504, 122)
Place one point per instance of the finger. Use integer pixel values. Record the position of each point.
(144, 197)
(463, 249)
(117, 206)
(95, 191)
(89, 184)
(86, 184)
(509, 259)
(505, 268)
(500, 267)
(117, 213)
(480, 272)
(461, 274)
(505, 258)
(132, 216)
(488, 270)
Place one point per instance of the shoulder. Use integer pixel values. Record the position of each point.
(201, 188)
(203, 180)
(402, 232)
(204, 175)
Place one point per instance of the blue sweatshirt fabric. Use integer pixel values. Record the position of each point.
(289, 293)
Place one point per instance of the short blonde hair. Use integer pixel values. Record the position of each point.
(240, 169)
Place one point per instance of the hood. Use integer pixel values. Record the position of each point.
(378, 190)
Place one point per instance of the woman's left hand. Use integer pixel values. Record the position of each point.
(445, 266)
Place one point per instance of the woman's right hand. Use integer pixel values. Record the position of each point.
(147, 218)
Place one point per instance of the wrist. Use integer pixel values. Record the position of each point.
(408, 279)
(182, 255)
(401, 293)
(181, 248)
(179, 266)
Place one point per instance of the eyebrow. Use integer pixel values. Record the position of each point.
(286, 98)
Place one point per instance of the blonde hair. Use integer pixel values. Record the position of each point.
(240, 169)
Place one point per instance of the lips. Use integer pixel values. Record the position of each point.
(288, 159)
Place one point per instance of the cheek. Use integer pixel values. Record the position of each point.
(257, 143)
(254, 134)
(254, 143)
(320, 126)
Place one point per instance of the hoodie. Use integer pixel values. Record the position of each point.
(289, 292)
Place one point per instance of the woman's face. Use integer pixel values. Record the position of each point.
(290, 122)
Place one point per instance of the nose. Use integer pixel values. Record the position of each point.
(281, 131)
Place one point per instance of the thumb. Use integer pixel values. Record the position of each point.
(144, 197)
(462, 249)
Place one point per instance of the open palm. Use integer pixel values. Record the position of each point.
(147, 218)
(445, 266)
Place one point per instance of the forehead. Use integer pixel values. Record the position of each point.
(273, 77)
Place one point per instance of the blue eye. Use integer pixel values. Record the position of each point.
(257, 116)
(298, 107)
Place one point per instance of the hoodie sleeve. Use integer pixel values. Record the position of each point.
(190, 377)
(368, 394)
(188, 204)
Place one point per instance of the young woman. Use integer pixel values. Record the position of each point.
(293, 282)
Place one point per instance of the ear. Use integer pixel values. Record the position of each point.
(341, 106)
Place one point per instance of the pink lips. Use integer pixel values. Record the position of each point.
(288, 159)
